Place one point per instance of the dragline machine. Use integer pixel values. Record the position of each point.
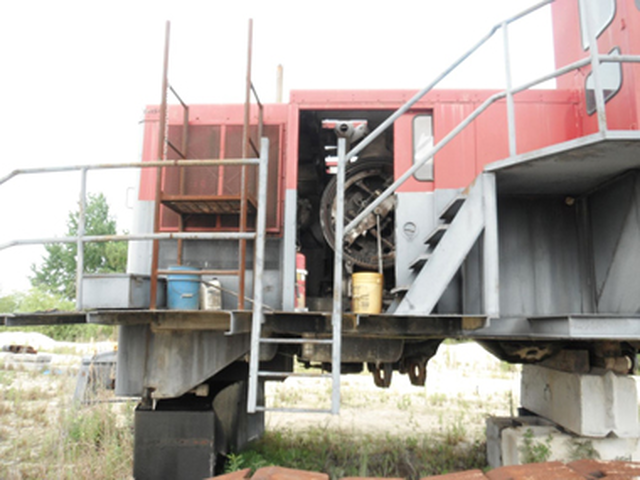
(356, 230)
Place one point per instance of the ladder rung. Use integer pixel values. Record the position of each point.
(293, 374)
(292, 410)
(321, 341)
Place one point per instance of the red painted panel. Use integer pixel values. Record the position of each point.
(543, 118)
(623, 109)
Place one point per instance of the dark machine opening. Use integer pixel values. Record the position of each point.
(367, 176)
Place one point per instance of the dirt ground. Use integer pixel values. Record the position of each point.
(465, 384)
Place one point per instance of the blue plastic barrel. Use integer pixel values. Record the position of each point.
(183, 290)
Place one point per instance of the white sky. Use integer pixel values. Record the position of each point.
(76, 76)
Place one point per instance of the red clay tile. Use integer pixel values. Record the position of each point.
(535, 471)
(279, 473)
(239, 475)
(468, 475)
(613, 470)
(371, 478)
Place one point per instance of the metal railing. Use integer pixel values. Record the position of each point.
(80, 239)
(594, 59)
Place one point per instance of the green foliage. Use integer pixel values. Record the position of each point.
(9, 303)
(57, 272)
(535, 452)
(582, 449)
(340, 455)
(39, 300)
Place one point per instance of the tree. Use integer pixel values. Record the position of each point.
(57, 273)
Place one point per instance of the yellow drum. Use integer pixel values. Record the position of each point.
(367, 292)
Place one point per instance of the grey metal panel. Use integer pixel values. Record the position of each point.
(472, 280)
(615, 222)
(139, 254)
(539, 260)
(288, 255)
(175, 445)
(563, 328)
(415, 217)
(490, 263)
(609, 208)
(223, 255)
(235, 426)
(119, 290)
(569, 168)
(447, 257)
(131, 357)
(181, 360)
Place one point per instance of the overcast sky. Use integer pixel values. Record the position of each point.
(76, 77)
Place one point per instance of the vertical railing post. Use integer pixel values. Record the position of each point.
(258, 270)
(585, 15)
(491, 265)
(336, 316)
(82, 215)
(184, 146)
(162, 124)
(511, 117)
(243, 175)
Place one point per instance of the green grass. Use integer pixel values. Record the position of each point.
(339, 454)
(43, 434)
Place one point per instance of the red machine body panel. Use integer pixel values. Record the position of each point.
(542, 118)
(623, 108)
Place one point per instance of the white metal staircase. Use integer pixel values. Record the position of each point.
(463, 221)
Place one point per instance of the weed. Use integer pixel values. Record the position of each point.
(532, 451)
(455, 432)
(6, 377)
(340, 454)
(404, 402)
(437, 399)
(581, 449)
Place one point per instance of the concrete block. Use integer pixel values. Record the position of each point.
(592, 405)
(561, 446)
(495, 427)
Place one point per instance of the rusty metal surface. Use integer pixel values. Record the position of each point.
(207, 204)
(162, 136)
(45, 318)
(223, 320)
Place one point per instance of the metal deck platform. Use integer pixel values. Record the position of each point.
(572, 168)
(571, 327)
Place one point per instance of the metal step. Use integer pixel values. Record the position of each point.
(261, 408)
(452, 208)
(420, 261)
(400, 289)
(297, 341)
(436, 235)
(263, 373)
